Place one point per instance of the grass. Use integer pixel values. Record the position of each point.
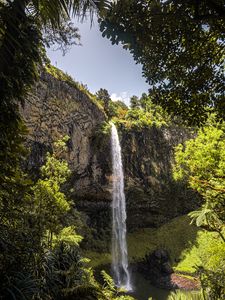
(97, 259)
(141, 243)
(187, 245)
(182, 295)
(176, 236)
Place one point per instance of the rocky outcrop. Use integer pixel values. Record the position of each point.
(153, 197)
(56, 108)
(156, 267)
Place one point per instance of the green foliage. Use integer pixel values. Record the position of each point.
(180, 295)
(19, 56)
(201, 163)
(33, 229)
(134, 102)
(58, 74)
(103, 129)
(211, 267)
(21, 286)
(110, 291)
(140, 118)
(180, 45)
(200, 252)
(49, 202)
(143, 114)
(213, 283)
(111, 108)
(67, 235)
(63, 272)
(117, 109)
(104, 99)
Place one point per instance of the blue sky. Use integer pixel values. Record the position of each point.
(99, 64)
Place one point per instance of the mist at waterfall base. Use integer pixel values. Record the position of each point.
(120, 269)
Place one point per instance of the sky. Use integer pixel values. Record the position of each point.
(99, 64)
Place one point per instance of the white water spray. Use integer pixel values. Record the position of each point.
(121, 274)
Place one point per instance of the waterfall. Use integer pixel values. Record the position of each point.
(121, 274)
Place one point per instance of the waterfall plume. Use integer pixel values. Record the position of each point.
(120, 270)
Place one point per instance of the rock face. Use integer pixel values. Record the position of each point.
(153, 197)
(56, 109)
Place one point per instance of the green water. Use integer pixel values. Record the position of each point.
(143, 289)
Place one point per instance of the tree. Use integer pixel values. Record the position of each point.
(202, 163)
(134, 102)
(34, 220)
(144, 101)
(180, 45)
(40, 256)
(104, 97)
(63, 37)
(50, 204)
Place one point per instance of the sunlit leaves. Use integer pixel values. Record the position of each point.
(201, 162)
(50, 203)
(143, 113)
(68, 236)
(182, 54)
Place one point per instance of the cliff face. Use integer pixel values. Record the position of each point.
(153, 197)
(56, 109)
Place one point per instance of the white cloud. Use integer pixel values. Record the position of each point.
(115, 97)
(122, 96)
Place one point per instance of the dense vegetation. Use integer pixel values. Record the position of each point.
(183, 60)
(180, 45)
(201, 163)
(142, 113)
(40, 256)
